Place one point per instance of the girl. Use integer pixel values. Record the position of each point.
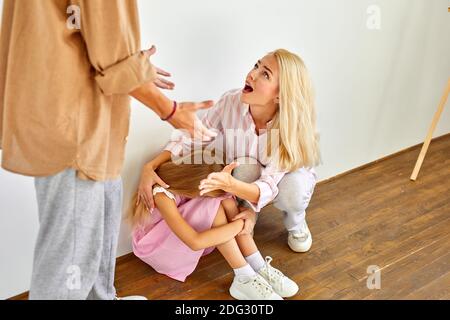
(185, 226)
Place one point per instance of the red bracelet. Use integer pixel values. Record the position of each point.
(172, 113)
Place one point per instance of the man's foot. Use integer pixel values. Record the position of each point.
(281, 284)
(131, 298)
(252, 288)
(300, 240)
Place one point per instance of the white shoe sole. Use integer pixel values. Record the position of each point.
(289, 295)
(242, 296)
(238, 295)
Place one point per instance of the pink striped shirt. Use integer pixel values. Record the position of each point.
(231, 119)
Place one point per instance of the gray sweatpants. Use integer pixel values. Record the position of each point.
(75, 252)
(294, 191)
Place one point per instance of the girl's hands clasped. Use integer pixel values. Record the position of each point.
(249, 217)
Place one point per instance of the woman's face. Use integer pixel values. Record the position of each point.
(261, 85)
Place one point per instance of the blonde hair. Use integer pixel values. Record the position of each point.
(183, 179)
(298, 143)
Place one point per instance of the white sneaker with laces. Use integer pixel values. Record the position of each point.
(252, 288)
(131, 298)
(281, 284)
(300, 240)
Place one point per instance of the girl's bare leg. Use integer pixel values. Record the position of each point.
(245, 242)
(229, 250)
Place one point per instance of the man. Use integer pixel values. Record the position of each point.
(67, 69)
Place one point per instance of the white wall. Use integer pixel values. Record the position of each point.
(377, 90)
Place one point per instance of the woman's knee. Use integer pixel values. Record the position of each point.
(249, 170)
(295, 191)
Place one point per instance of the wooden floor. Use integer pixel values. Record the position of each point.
(373, 215)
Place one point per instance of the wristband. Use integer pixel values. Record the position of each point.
(172, 113)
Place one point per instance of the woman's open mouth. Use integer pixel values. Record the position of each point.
(247, 89)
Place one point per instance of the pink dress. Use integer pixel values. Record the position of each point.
(158, 246)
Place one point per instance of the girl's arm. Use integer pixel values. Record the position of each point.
(193, 239)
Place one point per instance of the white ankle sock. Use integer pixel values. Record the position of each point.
(246, 270)
(256, 260)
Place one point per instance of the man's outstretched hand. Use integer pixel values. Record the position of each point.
(185, 116)
(160, 82)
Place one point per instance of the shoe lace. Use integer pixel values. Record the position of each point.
(274, 275)
(301, 234)
(263, 287)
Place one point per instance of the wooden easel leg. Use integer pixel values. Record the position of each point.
(436, 117)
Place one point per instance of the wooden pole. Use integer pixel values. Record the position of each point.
(436, 117)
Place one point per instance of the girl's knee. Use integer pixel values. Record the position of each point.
(221, 217)
(230, 208)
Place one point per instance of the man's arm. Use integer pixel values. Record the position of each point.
(111, 32)
(185, 115)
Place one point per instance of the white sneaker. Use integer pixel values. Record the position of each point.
(131, 298)
(281, 284)
(252, 288)
(300, 240)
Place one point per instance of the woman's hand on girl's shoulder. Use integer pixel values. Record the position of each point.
(145, 190)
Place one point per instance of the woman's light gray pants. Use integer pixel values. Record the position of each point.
(295, 191)
(75, 253)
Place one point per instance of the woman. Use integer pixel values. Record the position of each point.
(273, 120)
